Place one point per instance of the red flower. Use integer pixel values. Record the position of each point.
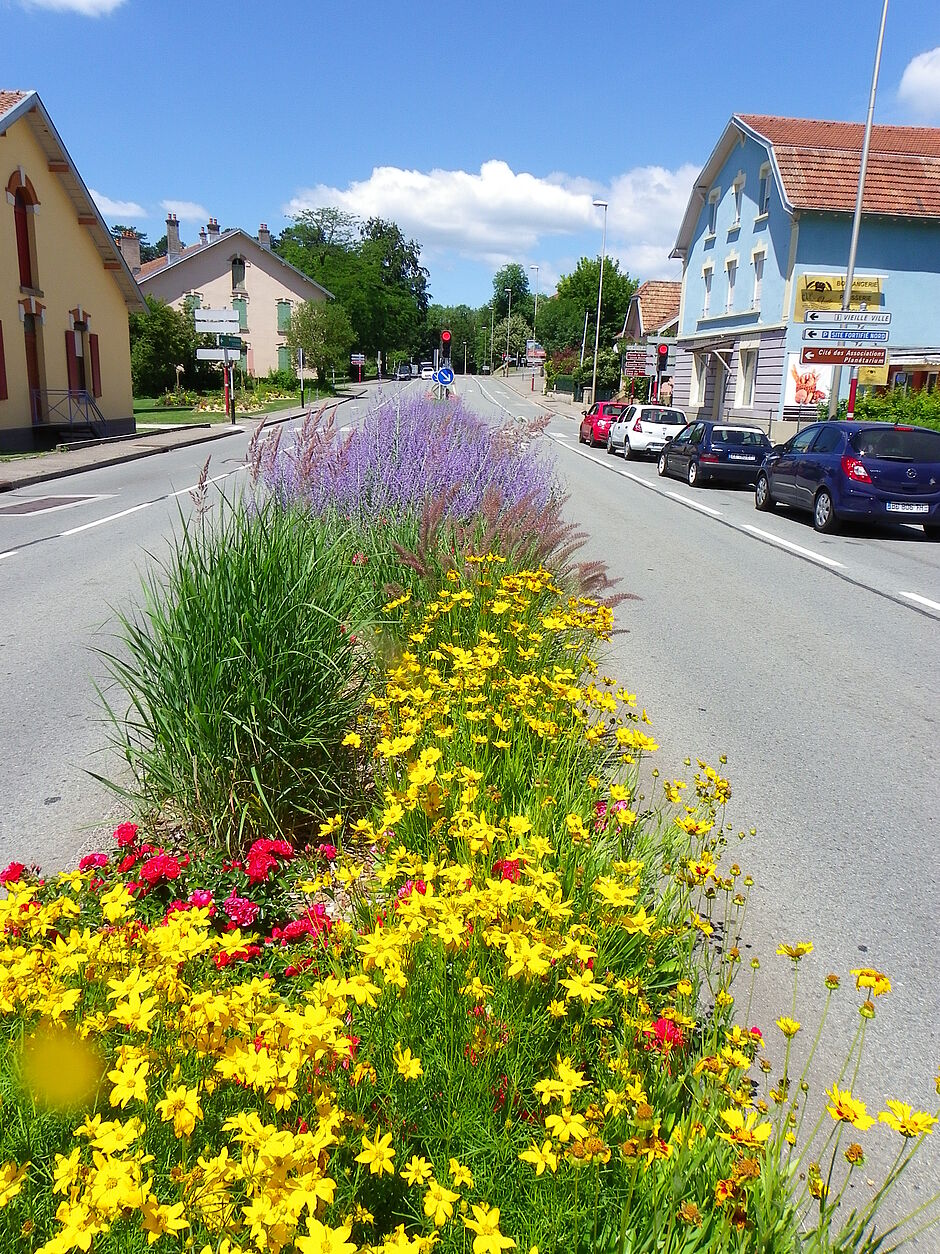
(162, 867)
(12, 873)
(328, 852)
(664, 1035)
(127, 863)
(508, 869)
(91, 860)
(125, 834)
(240, 910)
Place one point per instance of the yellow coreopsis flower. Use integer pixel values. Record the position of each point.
(324, 1240)
(408, 1065)
(566, 1125)
(181, 1108)
(789, 1027)
(460, 1174)
(910, 1123)
(129, 1082)
(582, 986)
(439, 1203)
(744, 1130)
(845, 1108)
(377, 1154)
(12, 1176)
(352, 739)
(417, 1170)
(867, 977)
(540, 1157)
(489, 1239)
(797, 951)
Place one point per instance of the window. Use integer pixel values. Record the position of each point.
(283, 316)
(283, 358)
(738, 200)
(829, 440)
(758, 279)
(697, 434)
(21, 217)
(713, 199)
(241, 308)
(763, 195)
(707, 292)
(731, 268)
(238, 274)
(800, 443)
(697, 383)
(747, 370)
(191, 301)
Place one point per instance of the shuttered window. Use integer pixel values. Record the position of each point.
(4, 393)
(283, 357)
(95, 365)
(241, 308)
(283, 315)
(71, 361)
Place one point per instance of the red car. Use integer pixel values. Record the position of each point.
(595, 424)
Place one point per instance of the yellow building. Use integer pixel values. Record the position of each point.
(65, 293)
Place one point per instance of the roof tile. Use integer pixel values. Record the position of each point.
(10, 99)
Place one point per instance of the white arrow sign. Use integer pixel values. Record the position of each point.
(846, 334)
(849, 317)
(217, 354)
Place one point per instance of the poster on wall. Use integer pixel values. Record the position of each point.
(825, 291)
(806, 385)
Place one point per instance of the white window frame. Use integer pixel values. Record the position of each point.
(731, 274)
(711, 225)
(747, 377)
(697, 381)
(738, 201)
(758, 258)
(763, 191)
(707, 275)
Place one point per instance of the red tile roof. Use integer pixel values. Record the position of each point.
(9, 99)
(819, 163)
(160, 263)
(659, 303)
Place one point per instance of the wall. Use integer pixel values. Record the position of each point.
(267, 280)
(69, 273)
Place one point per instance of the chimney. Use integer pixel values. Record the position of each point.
(213, 229)
(173, 248)
(129, 244)
(203, 238)
(264, 236)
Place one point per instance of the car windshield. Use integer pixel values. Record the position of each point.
(613, 411)
(915, 444)
(739, 435)
(665, 417)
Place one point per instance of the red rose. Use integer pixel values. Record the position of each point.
(91, 860)
(12, 873)
(125, 834)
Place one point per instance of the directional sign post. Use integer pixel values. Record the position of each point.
(849, 317)
(846, 335)
(846, 355)
(225, 324)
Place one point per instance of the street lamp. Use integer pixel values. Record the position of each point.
(599, 204)
(492, 318)
(465, 356)
(535, 316)
(508, 291)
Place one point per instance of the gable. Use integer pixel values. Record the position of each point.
(200, 263)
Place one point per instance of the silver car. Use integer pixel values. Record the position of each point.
(644, 429)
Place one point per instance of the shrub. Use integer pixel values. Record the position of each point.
(242, 671)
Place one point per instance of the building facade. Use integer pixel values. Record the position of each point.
(765, 240)
(65, 293)
(230, 270)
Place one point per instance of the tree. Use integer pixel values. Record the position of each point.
(516, 277)
(577, 292)
(462, 322)
(161, 339)
(519, 332)
(324, 332)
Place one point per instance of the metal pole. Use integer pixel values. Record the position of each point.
(300, 367)
(465, 356)
(584, 337)
(857, 221)
(600, 288)
(492, 318)
(535, 316)
(508, 323)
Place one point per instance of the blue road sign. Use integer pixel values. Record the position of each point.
(445, 376)
(846, 335)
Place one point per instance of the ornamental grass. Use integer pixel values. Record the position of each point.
(490, 1009)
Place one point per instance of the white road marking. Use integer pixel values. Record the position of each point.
(110, 518)
(184, 491)
(704, 509)
(9, 553)
(913, 596)
(628, 474)
(794, 548)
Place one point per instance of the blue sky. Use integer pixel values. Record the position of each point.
(485, 131)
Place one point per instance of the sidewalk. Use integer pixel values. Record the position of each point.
(41, 467)
(562, 404)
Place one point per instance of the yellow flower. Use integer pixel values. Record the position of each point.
(181, 1107)
(460, 1174)
(158, 1220)
(129, 1082)
(797, 951)
(848, 1109)
(744, 1131)
(540, 1158)
(567, 1125)
(408, 1065)
(489, 1239)
(324, 1240)
(789, 1027)
(378, 1153)
(417, 1170)
(352, 739)
(910, 1123)
(868, 977)
(439, 1203)
(582, 986)
(557, 1009)
(11, 1181)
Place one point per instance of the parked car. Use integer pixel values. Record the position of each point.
(402, 372)
(595, 424)
(644, 429)
(485, 368)
(875, 472)
(427, 370)
(715, 450)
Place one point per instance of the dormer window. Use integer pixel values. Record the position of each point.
(713, 198)
(763, 195)
(238, 274)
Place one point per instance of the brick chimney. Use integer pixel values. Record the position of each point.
(129, 244)
(173, 248)
(213, 229)
(203, 237)
(264, 236)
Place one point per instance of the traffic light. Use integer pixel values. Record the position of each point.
(662, 357)
(445, 345)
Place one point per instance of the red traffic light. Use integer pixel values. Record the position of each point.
(445, 339)
(662, 356)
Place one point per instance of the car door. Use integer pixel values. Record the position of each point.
(816, 465)
(787, 467)
(696, 436)
(677, 451)
(619, 427)
(587, 425)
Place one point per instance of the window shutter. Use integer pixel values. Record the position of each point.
(283, 357)
(241, 308)
(70, 361)
(4, 393)
(283, 315)
(95, 365)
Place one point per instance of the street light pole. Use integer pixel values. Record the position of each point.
(599, 204)
(535, 316)
(465, 356)
(857, 221)
(492, 323)
(508, 323)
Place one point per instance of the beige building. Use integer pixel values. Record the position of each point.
(230, 270)
(65, 293)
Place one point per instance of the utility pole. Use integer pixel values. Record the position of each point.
(857, 221)
(465, 356)
(584, 337)
(492, 317)
(599, 204)
(300, 370)
(508, 324)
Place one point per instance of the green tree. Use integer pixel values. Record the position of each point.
(161, 339)
(516, 277)
(519, 332)
(323, 330)
(462, 322)
(577, 292)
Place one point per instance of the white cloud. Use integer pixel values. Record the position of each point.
(186, 210)
(920, 84)
(117, 210)
(498, 215)
(86, 8)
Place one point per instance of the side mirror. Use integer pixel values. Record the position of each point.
(778, 449)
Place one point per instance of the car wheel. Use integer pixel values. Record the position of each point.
(661, 464)
(932, 531)
(762, 498)
(824, 514)
(627, 450)
(610, 446)
(693, 478)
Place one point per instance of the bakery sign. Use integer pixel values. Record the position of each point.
(825, 291)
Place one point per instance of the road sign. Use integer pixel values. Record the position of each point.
(216, 321)
(846, 335)
(217, 354)
(846, 355)
(357, 359)
(849, 317)
(445, 376)
(231, 341)
(634, 362)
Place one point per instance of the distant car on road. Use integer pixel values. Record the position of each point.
(715, 450)
(871, 472)
(485, 368)
(644, 429)
(595, 424)
(402, 372)
(427, 370)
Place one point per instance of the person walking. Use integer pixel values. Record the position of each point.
(665, 392)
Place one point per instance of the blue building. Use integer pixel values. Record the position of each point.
(765, 239)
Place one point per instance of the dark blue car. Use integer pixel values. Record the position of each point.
(872, 472)
(703, 450)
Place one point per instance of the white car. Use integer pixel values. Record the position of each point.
(644, 430)
(427, 370)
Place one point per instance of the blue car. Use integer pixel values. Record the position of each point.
(702, 451)
(870, 472)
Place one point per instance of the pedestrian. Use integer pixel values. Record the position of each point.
(665, 392)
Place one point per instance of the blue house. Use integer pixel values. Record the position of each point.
(765, 239)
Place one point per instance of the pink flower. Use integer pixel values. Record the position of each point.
(125, 834)
(327, 852)
(664, 1035)
(508, 869)
(200, 897)
(359, 559)
(240, 910)
(92, 860)
(12, 873)
(161, 867)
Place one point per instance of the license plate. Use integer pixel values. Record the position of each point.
(907, 507)
(742, 457)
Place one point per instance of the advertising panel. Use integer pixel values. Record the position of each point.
(806, 385)
(824, 291)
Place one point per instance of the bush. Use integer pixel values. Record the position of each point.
(564, 383)
(179, 399)
(242, 671)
